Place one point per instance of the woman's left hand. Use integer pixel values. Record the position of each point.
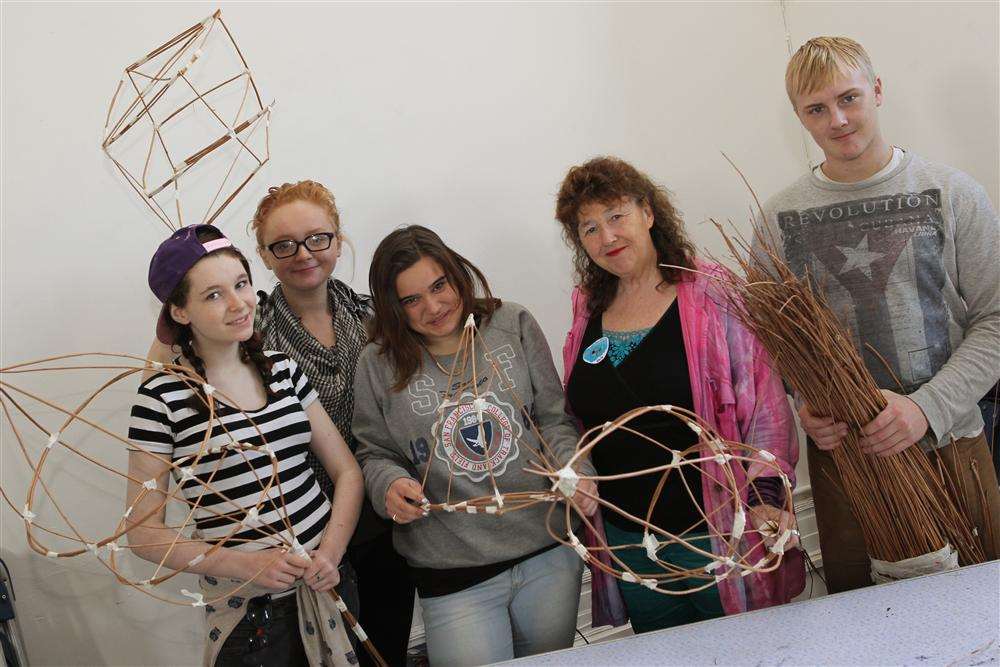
(586, 505)
(323, 573)
(766, 518)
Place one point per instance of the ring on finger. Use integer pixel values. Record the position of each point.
(394, 518)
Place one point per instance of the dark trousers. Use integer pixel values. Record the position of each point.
(970, 466)
(845, 558)
(268, 635)
(386, 595)
(988, 407)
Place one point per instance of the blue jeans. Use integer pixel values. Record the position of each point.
(530, 608)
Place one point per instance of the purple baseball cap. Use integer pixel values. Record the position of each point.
(171, 262)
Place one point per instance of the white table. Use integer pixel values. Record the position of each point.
(952, 618)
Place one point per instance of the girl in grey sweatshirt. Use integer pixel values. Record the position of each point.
(479, 572)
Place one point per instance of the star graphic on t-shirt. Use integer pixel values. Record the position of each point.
(859, 257)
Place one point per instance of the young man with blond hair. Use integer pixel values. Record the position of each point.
(906, 252)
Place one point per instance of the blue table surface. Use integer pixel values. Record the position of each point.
(951, 618)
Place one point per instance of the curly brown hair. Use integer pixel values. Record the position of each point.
(607, 180)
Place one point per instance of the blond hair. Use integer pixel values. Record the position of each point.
(286, 193)
(818, 62)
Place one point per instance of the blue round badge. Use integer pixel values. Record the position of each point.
(597, 351)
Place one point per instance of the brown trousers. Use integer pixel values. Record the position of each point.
(845, 558)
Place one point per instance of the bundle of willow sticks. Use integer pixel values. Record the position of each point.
(906, 505)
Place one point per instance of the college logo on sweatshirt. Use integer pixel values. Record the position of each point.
(871, 256)
(475, 437)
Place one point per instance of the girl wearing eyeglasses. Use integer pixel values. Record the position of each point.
(319, 322)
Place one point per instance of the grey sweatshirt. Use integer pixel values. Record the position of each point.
(401, 433)
(909, 262)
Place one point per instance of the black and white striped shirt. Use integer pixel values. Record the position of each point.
(164, 423)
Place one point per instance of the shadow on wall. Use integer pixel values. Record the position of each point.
(80, 601)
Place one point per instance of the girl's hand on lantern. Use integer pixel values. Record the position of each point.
(771, 522)
(403, 501)
(323, 573)
(586, 496)
(274, 569)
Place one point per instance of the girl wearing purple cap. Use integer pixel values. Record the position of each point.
(320, 323)
(204, 283)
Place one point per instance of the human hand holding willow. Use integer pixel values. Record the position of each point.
(826, 432)
(274, 569)
(323, 573)
(586, 488)
(403, 500)
(771, 522)
(899, 425)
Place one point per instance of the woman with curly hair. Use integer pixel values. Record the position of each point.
(650, 327)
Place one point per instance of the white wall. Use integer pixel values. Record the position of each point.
(460, 117)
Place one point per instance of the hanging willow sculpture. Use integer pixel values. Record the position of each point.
(189, 113)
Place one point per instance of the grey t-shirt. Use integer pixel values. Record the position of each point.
(908, 261)
(401, 434)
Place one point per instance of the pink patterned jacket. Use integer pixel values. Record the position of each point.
(735, 391)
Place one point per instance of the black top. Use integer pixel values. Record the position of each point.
(654, 373)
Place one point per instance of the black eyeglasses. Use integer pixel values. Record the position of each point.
(314, 243)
